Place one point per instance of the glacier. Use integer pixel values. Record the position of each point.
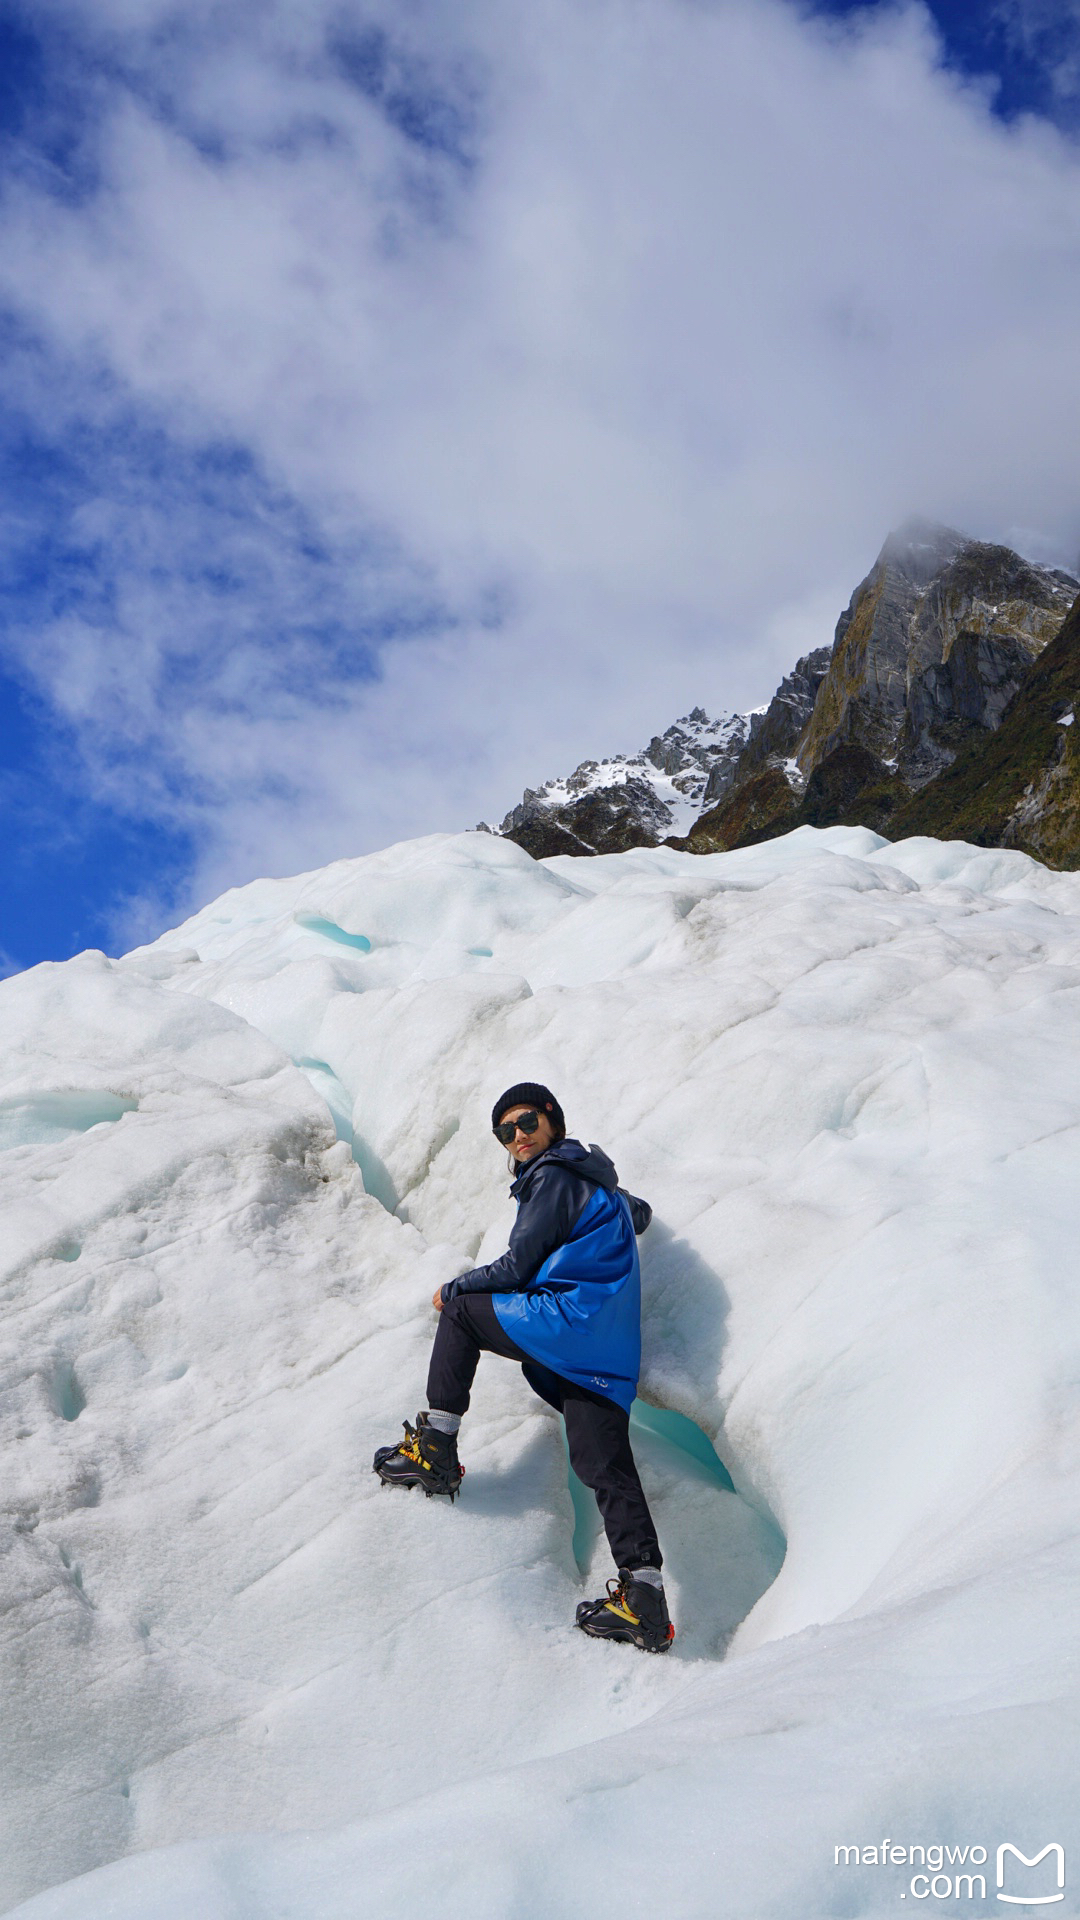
(240, 1679)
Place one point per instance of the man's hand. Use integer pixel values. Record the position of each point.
(436, 1299)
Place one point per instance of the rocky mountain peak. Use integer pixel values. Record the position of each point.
(631, 800)
(693, 748)
(935, 651)
(934, 644)
(919, 549)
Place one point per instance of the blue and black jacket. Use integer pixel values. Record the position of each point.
(568, 1290)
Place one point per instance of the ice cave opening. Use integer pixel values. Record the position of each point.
(40, 1119)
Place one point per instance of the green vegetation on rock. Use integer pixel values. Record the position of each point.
(1020, 785)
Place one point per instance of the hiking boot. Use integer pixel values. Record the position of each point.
(425, 1458)
(631, 1610)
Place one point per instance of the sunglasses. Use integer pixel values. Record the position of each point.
(525, 1123)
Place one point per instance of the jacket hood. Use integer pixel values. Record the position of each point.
(589, 1163)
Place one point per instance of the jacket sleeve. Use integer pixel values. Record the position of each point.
(545, 1219)
(640, 1210)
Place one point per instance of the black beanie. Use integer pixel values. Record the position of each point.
(530, 1094)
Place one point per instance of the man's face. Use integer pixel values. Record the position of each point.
(526, 1146)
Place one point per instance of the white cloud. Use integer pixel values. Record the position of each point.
(701, 300)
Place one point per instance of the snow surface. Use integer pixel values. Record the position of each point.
(845, 1075)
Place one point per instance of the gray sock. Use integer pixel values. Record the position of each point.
(444, 1422)
(648, 1576)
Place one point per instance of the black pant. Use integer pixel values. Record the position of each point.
(597, 1430)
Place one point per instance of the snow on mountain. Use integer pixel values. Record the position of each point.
(608, 806)
(845, 1074)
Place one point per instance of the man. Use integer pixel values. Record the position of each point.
(565, 1301)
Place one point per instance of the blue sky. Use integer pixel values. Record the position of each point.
(1027, 48)
(398, 406)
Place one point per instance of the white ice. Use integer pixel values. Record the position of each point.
(236, 1163)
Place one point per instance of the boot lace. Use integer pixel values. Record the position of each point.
(615, 1598)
